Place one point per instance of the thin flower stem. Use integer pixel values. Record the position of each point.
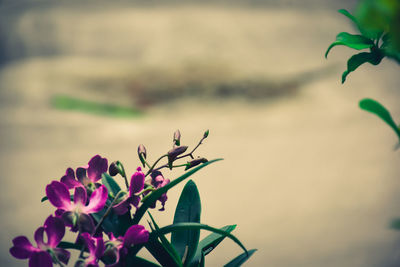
(175, 166)
(194, 149)
(107, 212)
(155, 163)
(101, 220)
(124, 176)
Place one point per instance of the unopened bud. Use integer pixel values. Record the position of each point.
(113, 169)
(142, 154)
(177, 138)
(206, 134)
(174, 153)
(195, 162)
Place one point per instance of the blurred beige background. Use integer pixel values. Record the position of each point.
(310, 179)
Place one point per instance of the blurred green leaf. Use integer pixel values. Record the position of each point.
(357, 42)
(395, 224)
(353, 19)
(186, 226)
(378, 109)
(153, 196)
(239, 260)
(109, 182)
(164, 241)
(188, 209)
(357, 60)
(70, 103)
(208, 244)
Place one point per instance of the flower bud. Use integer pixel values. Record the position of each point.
(195, 162)
(177, 138)
(174, 153)
(142, 154)
(206, 134)
(113, 169)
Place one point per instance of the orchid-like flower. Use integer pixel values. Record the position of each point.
(88, 175)
(96, 247)
(158, 181)
(76, 214)
(117, 248)
(45, 253)
(136, 186)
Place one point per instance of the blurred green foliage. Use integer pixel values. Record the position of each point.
(64, 102)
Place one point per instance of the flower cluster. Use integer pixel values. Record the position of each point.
(105, 218)
(78, 197)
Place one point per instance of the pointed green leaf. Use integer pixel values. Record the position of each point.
(153, 196)
(357, 42)
(208, 244)
(357, 60)
(138, 261)
(378, 109)
(159, 252)
(239, 260)
(354, 20)
(164, 241)
(187, 210)
(109, 182)
(185, 226)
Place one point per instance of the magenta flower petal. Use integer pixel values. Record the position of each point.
(137, 182)
(136, 234)
(39, 237)
(58, 195)
(40, 259)
(22, 248)
(81, 175)
(85, 223)
(69, 179)
(123, 206)
(55, 230)
(62, 255)
(97, 166)
(80, 195)
(97, 200)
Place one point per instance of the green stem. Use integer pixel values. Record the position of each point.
(155, 163)
(102, 219)
(191, 152)
(124, 176)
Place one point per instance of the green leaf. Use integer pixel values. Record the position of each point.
(191, 225)
(395, 224)
(357, 60)
(355, 21)
(357, 42)
(187, 210)
(378, 109)
(164, 241)
(109, 182)
(159, 252)
(117, 224)
(153, 196)
(239, 260)
(69, 245)
(138, 261)
(208, 244)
